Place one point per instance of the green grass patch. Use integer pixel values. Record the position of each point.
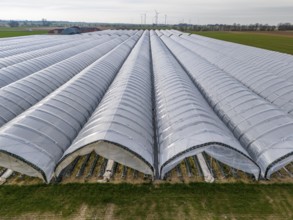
(165, 201)
(16, 32)
(20, 33)
(268, 41)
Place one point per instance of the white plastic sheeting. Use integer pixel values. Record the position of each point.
(145, 102)
(47, 129)
(271, 61)
(22, 94)
(23, 69)
(60, 45)
(186, 123)
(263, 129)
(24, 48)
(121, 128)
(272, 87)
(118, 32)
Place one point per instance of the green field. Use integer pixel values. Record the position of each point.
(277, 41)
(16, 32)
(149, 201)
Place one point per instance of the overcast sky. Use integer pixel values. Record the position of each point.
(130, 11)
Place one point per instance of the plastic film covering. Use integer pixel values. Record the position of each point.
(178, 33)
(14, 42)
(121, 127)
(259, 52)
(4, 42)
(23, 69)
(64, 44)
(186, 123)
(275, 62)
(117, 32)
(263, 129)
(21, 43)
(167, 33)
(271, 87)
(32, 46)
(159, 33)
(38, 138)
(22, 94)
(4, 62)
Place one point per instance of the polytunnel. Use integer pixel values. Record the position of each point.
(20, 70)
(148, 101)
(275, 89)
(8, 61)
(22, 94)
(34, 141)
(278, 63)
(186, 123)
(262, 128)
(121, 127)
(24, 48)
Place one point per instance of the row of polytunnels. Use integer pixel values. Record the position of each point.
(151, 104)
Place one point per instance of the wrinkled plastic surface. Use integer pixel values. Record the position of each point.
(145, 102)
(186, 123)
(121, 127)
(262, 128)
(41, 135)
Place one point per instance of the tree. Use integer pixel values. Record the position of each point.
(45, 22)
(13, 24)
(285, 26)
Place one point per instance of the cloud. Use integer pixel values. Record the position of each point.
(129, 11)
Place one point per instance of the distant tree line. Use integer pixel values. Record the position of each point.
(13, 24)
(44, 23)
(183, 26)
(236, 27)
(285, 27)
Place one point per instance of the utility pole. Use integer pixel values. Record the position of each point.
(156, 17)
(141, 22)
(165, 19)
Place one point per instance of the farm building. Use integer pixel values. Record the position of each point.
(147, 100)
(71, 30)
(55, 31)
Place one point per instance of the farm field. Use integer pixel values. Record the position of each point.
(91, 169)
(69, 91)
(277, 41)
(133, 195)
(147, 201)
(16, 32)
